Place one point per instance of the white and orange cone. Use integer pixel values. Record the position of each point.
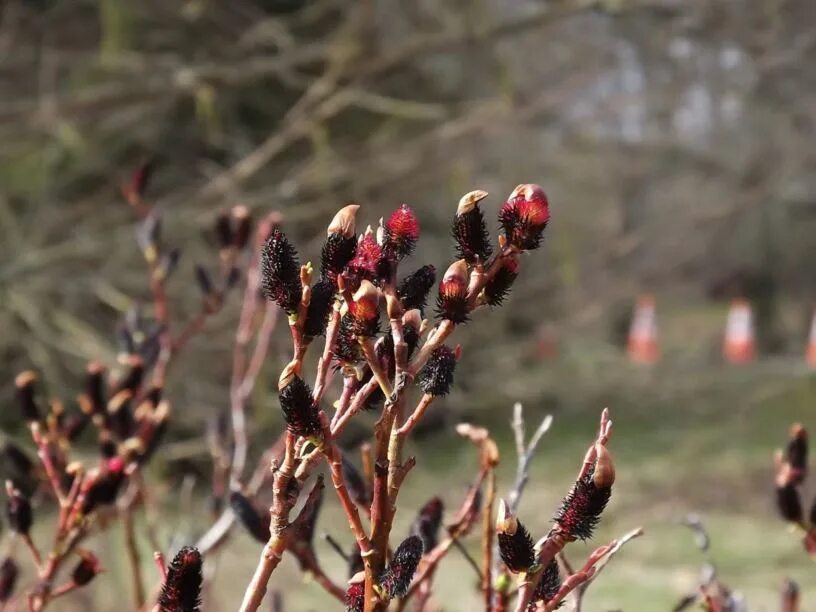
(642, 345)
(739, 345)
(810, 354)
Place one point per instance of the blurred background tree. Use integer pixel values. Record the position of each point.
(674, 138)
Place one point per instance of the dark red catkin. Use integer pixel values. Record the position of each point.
(17, 464)
(24, 383)
(341, 243)
(107, 445)
(498, 287)
(347, 349)
(182, 588)
(411, 324)
(436, 377)
(120, 414)
(299, 410)
(796, 453)
(451, 302)
(397, 577)
(401, 232)
(367, 263)
(104, 489)
(204, 281)
(152, 438)
(364, 310)
(308, 522)
(8, 579)
(524, 217)
(789, 503)
(95, 386)
(131, 380)
(86, 569)
(18, 510)
(242, 226)
(548, 587)
(469, 229)
(355, 597)
(280, 272)
(515, 543)
(581, 509)
(791, 594)
(320, 306)
(139, 179)
(355, 484)
(413, 289)
(427, 523)
(222, 228)
(248, 515)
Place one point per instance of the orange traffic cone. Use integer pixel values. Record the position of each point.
(810, 355)
(643, 332)
(738, 345)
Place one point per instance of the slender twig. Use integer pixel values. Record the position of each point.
(134, 561)
(324, 369)
(599, 566)
(487, 541)
(524, 452)
(468, 557)
(555, 540)
(349, 507)
(273, 549)
(158, 559)
(335, 546)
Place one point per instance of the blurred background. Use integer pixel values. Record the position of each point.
(674, 139)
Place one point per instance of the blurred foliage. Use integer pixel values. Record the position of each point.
(673, 138)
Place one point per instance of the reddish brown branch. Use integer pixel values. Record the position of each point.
(274, 548)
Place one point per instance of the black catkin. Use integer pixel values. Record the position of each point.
(9, 573)
(337, 252)
(182, 588)
(25, 396)
(789, 503)
(437, 377)
(355, 484)
(320, 307)
(469, 230)
(581, 509)
(18, 511)
(427, 523)
(516, 549)
(498, 287)
(280, 272)
(249, 517)
(548, 587)
(413, 290)
(398, 575)
(299, 410)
